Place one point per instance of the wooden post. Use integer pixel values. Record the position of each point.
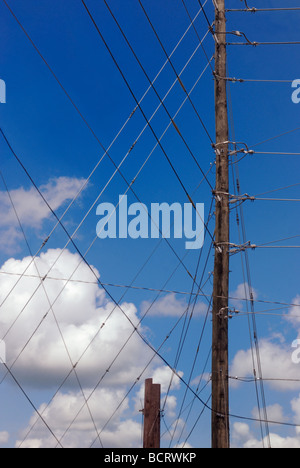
(152, 415)
(220, 394)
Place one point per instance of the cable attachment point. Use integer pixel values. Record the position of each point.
(242, 248)
(45, 241)
(242, 198)
(228, 311)
(218, 247)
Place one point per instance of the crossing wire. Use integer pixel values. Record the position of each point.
(106, 152)
(117, 169)
(196, 32)
(157, 94)
(255, 10)
(173, 68)
(96, 237)
(49, 303)
(252, 326)
(142, 111)
(125, 344)
(135, 328)
(56, 260)
(83, 257)
(32, 404)
(129, 187)
(137, 102)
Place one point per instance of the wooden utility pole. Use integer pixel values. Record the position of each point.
(152, 415)
(220, 394)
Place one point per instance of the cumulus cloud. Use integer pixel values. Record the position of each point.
(294, 312)
(275, 413)
(168, 382)
(31, 209)
(53, 325)
(4, 436)
(242, 294)
(276, 363)
(82, 321)
(172, 306)
(84, 431)
(281, 372)
(243, 438)
(241, 434)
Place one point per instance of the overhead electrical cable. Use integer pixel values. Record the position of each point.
(49, 302)
(252, 325)
(158, 95)
(139, 105)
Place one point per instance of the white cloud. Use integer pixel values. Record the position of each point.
(82, 321)
(295, 404)
(171, 306)
(166, 378)
(240, 434)
(242, 294)
(243, 437)
(281, 374)
(201, 379)
(31, 209)
(84, 432)
(275, 413)
(81, 310)
(276, 363)
(277, 442)
(4, 436)
(164, 375)
(294, 313)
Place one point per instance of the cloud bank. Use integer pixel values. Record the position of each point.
(30, 208)
(55, 327)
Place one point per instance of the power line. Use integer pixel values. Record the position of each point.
(252, 198)
(255, 44)
(49, 302)
(256, 10)
(70, 238)
(276, 153)
(196, 32)
(249, 380)
(62, 288)
(184, 337)
(118, 354)
(135, 328)
(139, 105)
(33, 406)
(279, 189)
(276, 137)
(173, 68)
(191, 294)
(252, 326)
(156, 92)
(121, 309)
(149, 289)
(84, 119)
(248, 80)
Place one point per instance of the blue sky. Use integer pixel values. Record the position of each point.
(59, 151)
